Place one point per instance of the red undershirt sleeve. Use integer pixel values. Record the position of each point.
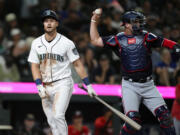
(168, 43)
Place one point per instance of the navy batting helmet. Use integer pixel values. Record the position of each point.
(49, 14)
(133, 16)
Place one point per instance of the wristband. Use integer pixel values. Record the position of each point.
(86, 81)
(93, 20)
(38, 81)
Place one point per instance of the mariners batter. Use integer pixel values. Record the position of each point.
(50, 58)
(133, 46)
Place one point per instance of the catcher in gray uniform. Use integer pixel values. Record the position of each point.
(133, 46)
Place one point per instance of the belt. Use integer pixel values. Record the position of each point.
(49, 83)
(141, 80)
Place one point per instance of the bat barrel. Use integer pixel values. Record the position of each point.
(121, 115)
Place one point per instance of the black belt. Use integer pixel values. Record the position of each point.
(141, 80)
(49, 83)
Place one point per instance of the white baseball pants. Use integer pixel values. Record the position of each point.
(56, 105)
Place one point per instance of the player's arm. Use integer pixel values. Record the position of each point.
(35, 71)
(37, 78)
(96, 39)
(83, 75)
(73, 57)
(34, 60)
(94, 34)
(80, 69)
(157, 41)
(170, 45)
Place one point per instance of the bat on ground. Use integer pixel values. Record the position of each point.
(131, 122)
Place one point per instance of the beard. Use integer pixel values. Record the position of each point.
(49, 30)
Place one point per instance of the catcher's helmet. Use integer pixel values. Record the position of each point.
(49, 14)
(133, 16)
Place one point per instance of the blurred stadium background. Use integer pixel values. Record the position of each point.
(20, 24)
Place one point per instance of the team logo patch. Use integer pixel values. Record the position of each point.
(48, 12)
(75, 51)
(131, 40)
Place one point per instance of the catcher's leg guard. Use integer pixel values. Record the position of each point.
(127, 129)
(166, 122)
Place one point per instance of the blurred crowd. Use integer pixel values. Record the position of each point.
(20, 23)
(101, 126)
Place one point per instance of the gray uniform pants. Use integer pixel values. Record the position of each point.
(134, 93)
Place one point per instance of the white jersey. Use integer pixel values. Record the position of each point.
(54, 57)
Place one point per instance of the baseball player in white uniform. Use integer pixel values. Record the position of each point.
(50, 58)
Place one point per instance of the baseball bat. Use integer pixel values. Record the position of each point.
(131, 122)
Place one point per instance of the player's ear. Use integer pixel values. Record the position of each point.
(57, 24)
(127, 25)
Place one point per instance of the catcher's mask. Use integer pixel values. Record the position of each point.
(136, 19)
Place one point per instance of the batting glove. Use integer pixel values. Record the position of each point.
(91, 91)
(42, 91)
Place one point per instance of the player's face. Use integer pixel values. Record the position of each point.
(130, 26)
(136, 24)
(50, 25)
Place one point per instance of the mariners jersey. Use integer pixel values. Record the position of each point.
(54, 57)
(134, 52)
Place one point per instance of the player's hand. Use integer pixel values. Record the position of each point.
(42, 91)
(91, 91)
(96, 14)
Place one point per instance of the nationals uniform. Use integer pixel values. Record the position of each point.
(54, 58)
